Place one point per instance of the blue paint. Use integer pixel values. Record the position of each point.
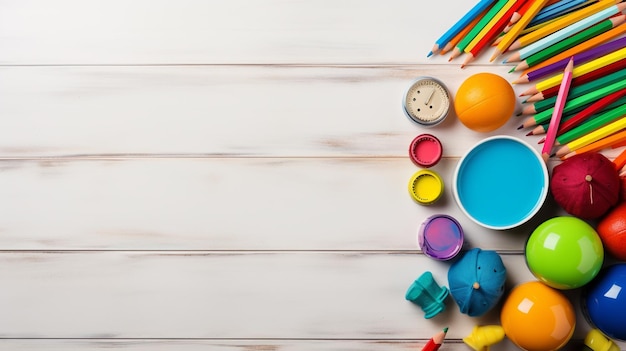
(501, 182)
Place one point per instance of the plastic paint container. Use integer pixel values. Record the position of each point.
(425, 150)
(501, 182)
(425, 187)
(440, 237)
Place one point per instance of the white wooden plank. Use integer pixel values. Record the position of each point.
(222, 110)
(228, 295)
(247, 345)
(227, 204)
(241, 31)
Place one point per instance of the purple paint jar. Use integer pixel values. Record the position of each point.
(440, 237)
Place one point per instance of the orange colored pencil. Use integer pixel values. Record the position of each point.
(606, 36)
(614, 140)
(620, 160)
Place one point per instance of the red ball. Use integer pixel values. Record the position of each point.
(612, 231)
(586, 185)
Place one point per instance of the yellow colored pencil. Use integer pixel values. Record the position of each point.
(489, 25)
(578, 71)
(604, 37)
(512, 34)
(608, 142)
(596, 135)
(561, 23)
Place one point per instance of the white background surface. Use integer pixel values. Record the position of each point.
(226, 175)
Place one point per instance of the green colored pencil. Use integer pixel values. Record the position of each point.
(582, 89)
(592, 124)
(569, 42)
(575, 103)
(477, 28)
(573, 113)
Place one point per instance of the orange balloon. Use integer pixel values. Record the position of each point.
(484, 102)
(537, 317)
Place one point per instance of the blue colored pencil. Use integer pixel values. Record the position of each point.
(458, 26)
(556, 9)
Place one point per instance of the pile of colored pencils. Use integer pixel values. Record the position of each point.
(556, 44)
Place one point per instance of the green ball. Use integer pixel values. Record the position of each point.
(564, 252)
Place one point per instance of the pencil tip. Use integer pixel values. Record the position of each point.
(462, 66)
(519, 114)
(445, 330)
(525, 101)
(430, 53)
(520, 127)
(552, 155)
(511, 71)
(541, 141)
(504, 61)
(529, 133)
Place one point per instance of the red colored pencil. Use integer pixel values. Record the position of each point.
(435, 342)
(590, 110)
(585, 78)
(491, 34)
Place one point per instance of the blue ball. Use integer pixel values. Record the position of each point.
(604, 301)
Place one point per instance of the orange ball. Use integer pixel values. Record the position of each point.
(536, 317)
(612, 231)
(484, 102)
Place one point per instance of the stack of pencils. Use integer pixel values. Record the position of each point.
(579, 44)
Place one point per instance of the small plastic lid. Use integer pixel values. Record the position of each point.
(426, 187)
(440, 237)
(425, 150)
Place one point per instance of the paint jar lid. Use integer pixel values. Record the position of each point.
(426, 186)
(440, 237)
(425, 150)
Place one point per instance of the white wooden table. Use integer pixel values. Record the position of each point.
(225, 175)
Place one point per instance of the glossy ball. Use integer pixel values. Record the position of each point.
(536, 317)
(612, 231)
(484, 102)
(604, 301)
(564, 252)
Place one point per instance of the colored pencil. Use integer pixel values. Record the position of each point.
(458, 26)
(512, 34)
(600, 73)
(558, 111)
(591, 125)
(568, 31)
(575, 103)
(582, 57)
(589, 138)
(589, 12)
(457, 38)
(620, 160)
(493, 30)
(543, 127)
(611, 141)
(436, 341)
(531, 58)
(458, 49)
(578, 71)
(555, 10)
(582, 47)
(575, 91)
(591, 110)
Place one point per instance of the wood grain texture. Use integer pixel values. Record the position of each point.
(226, 175)
(228, 204)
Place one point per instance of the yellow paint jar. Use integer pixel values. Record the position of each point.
(426, 187)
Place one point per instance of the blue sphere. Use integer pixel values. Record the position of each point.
(604, 301)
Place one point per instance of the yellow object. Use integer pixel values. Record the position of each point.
(489, 25)
(484, 336)
(513, 33)
(596, 341)
(596, 135)
(583, 69)
(537, 317)
(565, 21)
(425, 187)
(484, 102)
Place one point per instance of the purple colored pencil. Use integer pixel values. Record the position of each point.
(584, 56)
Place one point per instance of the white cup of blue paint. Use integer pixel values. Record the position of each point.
(501, 182)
